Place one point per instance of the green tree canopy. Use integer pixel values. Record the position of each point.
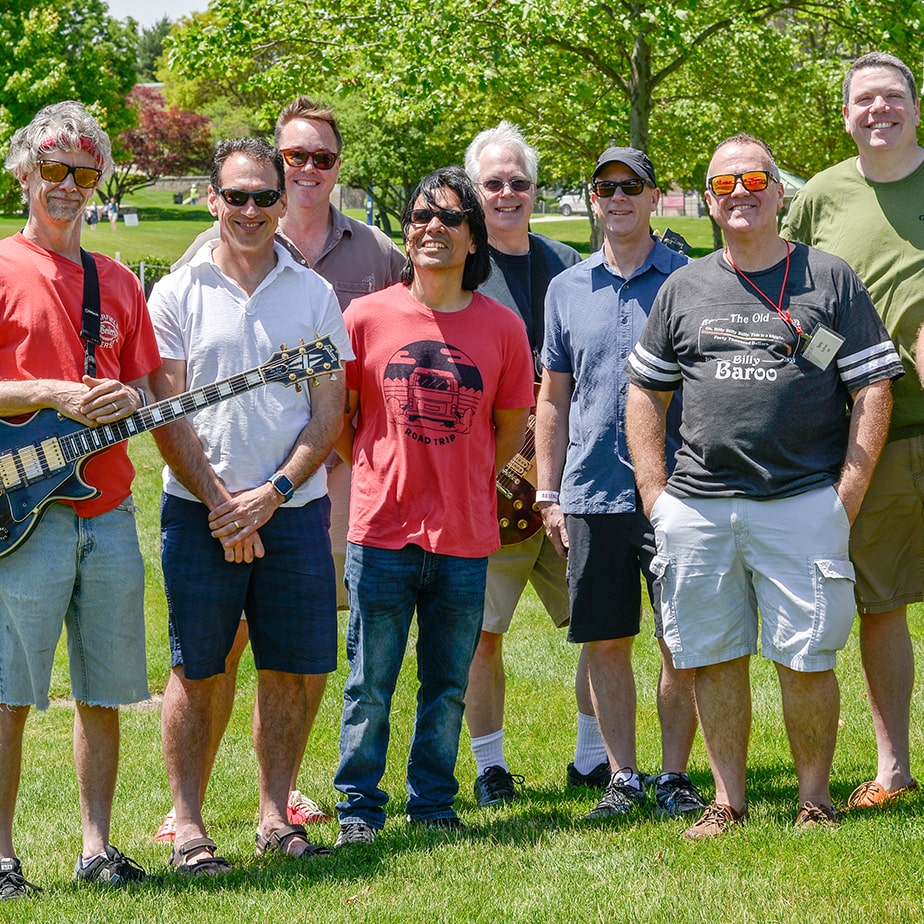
(52, 50)
(672, 78)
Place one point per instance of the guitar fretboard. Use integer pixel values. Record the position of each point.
(86, 442)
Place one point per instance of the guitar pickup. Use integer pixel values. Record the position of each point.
(54, 458)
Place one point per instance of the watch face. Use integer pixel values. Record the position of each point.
(283, 486)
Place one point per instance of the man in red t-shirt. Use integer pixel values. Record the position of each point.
(437, 400)
(81, 566)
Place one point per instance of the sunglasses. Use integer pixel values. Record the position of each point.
(262, 199)
(55, 172)
(603, 189)
(753, 181)
(449, 217)
(323, 160)
(518, 185)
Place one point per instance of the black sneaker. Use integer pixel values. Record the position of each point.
(598, 778)
(495, 785)
(620, 798)
(676, 795)
(454, 823)
(12, 883)
(115, 869)
(355, 832)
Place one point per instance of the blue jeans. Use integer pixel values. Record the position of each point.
(86, 574)
(385, 587)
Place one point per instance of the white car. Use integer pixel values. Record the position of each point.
(572, 204)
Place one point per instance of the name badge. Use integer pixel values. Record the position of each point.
(822, 346)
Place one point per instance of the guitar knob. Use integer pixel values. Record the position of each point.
(522, 524)
(518, 505)
(535, 507)
(504, 522)
(4, 533)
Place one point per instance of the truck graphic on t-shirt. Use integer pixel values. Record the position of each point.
(432, 386)
(432, 394)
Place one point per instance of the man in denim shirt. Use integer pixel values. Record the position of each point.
(595, 312)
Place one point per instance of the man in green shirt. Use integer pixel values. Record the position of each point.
(869, 210)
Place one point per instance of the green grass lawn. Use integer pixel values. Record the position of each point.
(533, 861)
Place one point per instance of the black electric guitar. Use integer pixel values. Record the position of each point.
(517, 514)
(41, 459)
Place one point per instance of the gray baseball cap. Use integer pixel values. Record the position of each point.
(634, 159)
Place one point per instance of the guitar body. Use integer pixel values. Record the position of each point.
(518, 516)
(22, 505)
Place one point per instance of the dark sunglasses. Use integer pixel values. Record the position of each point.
(323, 160)
(606, 188)
(518, 185)
(753, 181)
(55, 172)
(262, 198)
(449, 217)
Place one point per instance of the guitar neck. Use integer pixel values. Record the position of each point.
(520, 463)
(91, 440)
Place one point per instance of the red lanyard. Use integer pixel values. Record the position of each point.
(784, 315)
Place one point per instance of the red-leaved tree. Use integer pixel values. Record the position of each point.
(166, 141)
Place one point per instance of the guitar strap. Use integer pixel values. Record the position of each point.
(90, 322)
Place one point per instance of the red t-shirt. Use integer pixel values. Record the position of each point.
(423, 455)
(41, 306)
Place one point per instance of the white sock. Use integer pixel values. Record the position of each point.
(630, 777)
(589, 751)
(489, 751)
(85, 861)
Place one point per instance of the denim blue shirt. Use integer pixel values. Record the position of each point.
(593, 319)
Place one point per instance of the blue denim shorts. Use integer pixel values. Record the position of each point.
(288, 595)
(721, 559)
(85, 574)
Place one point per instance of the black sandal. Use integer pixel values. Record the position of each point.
(279, 840)
(206, 866)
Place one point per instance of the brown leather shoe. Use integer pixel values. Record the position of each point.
(716, 820)
(872, 795)
(817, 815)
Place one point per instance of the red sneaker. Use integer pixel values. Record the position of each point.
(304, 811)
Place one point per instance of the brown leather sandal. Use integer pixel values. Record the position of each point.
(279, 840)
(206, 866)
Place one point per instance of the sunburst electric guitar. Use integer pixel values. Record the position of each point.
(517, 513)
(42, 457)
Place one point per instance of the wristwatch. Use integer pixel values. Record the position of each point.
(283, 486)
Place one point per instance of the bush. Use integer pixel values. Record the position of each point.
(154, 269)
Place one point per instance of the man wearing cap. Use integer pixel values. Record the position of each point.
(595, 312)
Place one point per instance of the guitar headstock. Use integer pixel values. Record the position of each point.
(303, 363)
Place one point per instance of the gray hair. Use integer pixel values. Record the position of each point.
(506, 135)
(65, 126)
(745, 138)
(879, 59)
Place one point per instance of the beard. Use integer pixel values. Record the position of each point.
(64, 209)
